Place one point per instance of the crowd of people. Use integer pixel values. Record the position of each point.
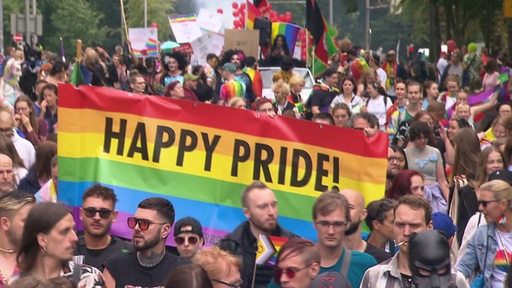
(448, 184)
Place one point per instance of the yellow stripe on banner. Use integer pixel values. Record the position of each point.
(325, 167)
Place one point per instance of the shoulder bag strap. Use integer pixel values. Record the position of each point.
(347, 255)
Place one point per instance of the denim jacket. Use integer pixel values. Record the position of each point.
(483, 239)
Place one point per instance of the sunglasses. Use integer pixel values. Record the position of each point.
(236, 285)
(143, 223)
(91, 212)
(289, 272)
(192, 240)
(484, 203)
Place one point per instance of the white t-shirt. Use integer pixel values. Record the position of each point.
(376, 107)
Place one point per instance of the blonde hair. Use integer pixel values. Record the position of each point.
(500, 189)
(282, 87)
(296, 80)
(216, 262)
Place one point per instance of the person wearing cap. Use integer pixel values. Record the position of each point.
(190, 86)
(442, 222)
(188, 236)
(231, 87)
(298, 263)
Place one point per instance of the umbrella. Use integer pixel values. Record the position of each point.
(168, 46)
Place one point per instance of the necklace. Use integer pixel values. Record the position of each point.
(7, 250)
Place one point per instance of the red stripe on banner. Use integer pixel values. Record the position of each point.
(217, 117)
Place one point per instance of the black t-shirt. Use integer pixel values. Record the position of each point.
(96, 258)
(379, 254)
(127, 271)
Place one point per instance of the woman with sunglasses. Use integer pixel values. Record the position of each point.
(490, 248)
(47, 247)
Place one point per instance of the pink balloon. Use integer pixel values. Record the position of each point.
(282, 17)
(235, 14)
(220, 11)
(273, 13)
(242, 6)
(154, 25)
(242, 14)
(234, 5)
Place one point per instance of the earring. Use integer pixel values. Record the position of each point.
(502, 220)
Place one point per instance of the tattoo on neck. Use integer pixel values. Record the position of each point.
(152, 260)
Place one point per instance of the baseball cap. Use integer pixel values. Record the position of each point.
(188, 225)
(230, 67)
(189, 76)
(504, 175)
(330, 279)
(444, 223)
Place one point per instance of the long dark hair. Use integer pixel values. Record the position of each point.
(41, 219)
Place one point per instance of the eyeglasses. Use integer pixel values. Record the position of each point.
(235, 285)
(289, 272)
(143, 223)
(91, 212)
(397, 159)
(192, 240)
(327, 224)
(484, 203)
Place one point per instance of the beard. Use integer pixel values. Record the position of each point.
(147, 243)
(352, 228)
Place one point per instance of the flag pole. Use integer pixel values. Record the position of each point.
(124, 22)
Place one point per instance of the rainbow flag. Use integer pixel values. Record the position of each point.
(182, 18)
(290, 31)
(155, 146)
(152, 47)
(252, 13)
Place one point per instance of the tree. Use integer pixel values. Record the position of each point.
(157, 12)
(75, 19)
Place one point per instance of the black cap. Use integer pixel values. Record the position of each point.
(182, 226)
(504, 175)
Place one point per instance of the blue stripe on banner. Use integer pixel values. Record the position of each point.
(206, 213)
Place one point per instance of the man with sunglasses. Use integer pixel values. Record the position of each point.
(97, 214)
(188, 236)
(298, 263)
(259, 205)
(150, 264)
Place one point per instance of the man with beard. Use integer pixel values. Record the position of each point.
(353, 240)
(331, 217)
(259, 205)
(150, 264)
(14, 207)
(97, 214)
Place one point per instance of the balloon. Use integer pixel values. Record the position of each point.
(288, 16)
(235, 14)
(242, 14)
(234, 5)
(242, 22)
(273, 13)
(242, 6)
(220, 11)
(281, 18)
(154, 25)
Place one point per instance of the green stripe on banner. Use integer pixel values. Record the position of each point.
(176, 184)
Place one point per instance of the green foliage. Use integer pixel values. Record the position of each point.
(75, 19)
(157, 12)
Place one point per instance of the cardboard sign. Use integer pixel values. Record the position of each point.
(245, 40)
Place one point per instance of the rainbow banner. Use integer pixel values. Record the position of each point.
(290, 31)
(201, 156)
